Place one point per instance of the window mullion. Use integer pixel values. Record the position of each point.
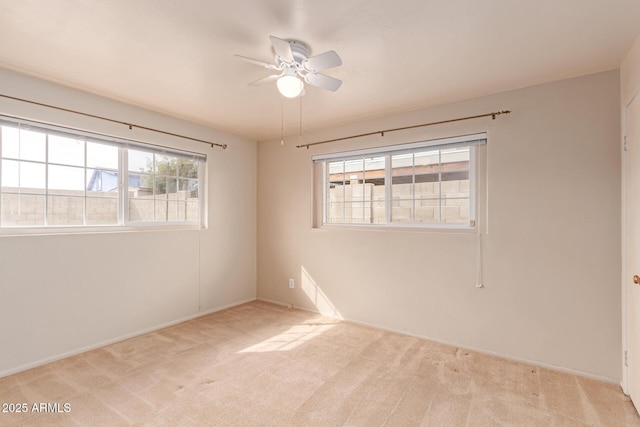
(153, 187)
(325, 191)
(344, 191)
(123, 186)
(387, 189)
(363, 188)
(202, 197)
(84, 208)
(440, 187)
(413, 187)
(46, 180)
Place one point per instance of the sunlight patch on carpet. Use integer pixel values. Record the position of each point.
(290, 339)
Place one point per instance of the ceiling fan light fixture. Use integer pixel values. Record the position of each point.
(297, 68)
(290, 86)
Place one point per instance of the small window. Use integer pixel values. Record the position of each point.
(52, 178)
(423, 184)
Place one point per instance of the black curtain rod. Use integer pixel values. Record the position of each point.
(130, 125)
(382, 132)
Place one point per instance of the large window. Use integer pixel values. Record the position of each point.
(54, 178)
(427, 183)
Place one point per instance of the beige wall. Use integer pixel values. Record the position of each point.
(551, 236)
(63, 293)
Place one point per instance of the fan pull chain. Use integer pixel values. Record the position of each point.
(300, 129)
(281, 121)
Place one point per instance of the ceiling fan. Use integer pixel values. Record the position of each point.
(296, 68)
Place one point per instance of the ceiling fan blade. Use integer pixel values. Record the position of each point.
(323, 61)
(325, 82)
(264, 80)
(282, 48)
(256, 62)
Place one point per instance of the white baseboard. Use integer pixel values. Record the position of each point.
(311, 310)
(46, 360)
(283, 304)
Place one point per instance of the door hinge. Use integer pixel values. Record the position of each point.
(626, 361)
(625, 146)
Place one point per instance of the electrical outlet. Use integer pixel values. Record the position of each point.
(292, 284)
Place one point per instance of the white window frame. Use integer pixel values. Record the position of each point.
(124, 183)
(123, 145)
(472, 141)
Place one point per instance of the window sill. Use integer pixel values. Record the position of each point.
(432, 228)
(48, 231)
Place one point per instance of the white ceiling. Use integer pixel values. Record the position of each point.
(176, 56)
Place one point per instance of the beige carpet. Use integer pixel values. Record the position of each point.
(260, 364)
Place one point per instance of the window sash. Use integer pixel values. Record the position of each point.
(388, 153)
(121, 196)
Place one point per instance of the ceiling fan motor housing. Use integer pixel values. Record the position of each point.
(299, 50)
